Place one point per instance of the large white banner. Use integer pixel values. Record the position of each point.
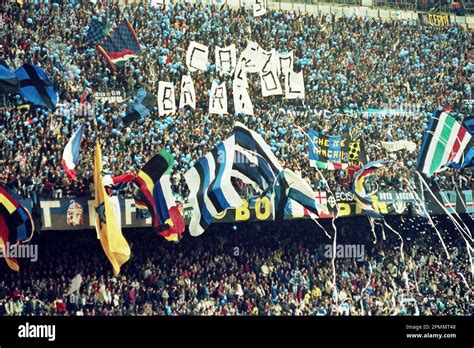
(188, 93)
(285, 63)
(166, 101)
(242, 101)
(197, 57)
(218, 98)
(226, 59)
(259, 8)
(294, 85)
(270, 84)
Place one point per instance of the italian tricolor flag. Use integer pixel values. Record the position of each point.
(444, 142)
(328, 165)
(119, 58)
(120, 45)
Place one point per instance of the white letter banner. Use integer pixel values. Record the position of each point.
(259, 8)
(226, 59)
(252, 58)
(188, 94)
(197, 57)
(270, 84)
(166, 101)
(242, 101)
(218, 98)
(285, 63)
(294, 85)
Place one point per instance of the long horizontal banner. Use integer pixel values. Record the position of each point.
(77, 214)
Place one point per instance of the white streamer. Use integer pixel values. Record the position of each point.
(419, 202)
(372, 227)
(333, 262)
(456, 224)
(317, 223)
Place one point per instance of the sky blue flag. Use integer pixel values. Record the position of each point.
(35, 86)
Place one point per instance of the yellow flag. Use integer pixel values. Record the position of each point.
(113, 242)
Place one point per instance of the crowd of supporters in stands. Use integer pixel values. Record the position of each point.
(350, 65)
(256, 269)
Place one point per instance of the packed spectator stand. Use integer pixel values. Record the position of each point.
(350, 65)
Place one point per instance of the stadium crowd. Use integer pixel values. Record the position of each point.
(258, 269)
(350, 65)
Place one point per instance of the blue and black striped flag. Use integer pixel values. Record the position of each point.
(9, 83)
(211, 190)
(35, 86)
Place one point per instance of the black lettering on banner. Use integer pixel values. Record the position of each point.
(225, 63)
(270, 81)
(261, 6)
(239, 73)
(290, 90)
(192, 55)
(167, 102)
(247, 63)
(218, 95)
(269, 58)
(241, 101)
(186, 92)
(434, 19)
(285, 59)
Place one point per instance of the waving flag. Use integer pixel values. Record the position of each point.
(363, 199)
(9, 83)
(16, 225)
(71, 153)
(36, 211)
(467, 158)
(141, 106)
(156, 195)
(253, 142)
(107, 219)
(444, 143)
(254, 163)
(35, 86)
(96, 32)
(211, 190)
(120, 45)
(252, 169)
(291, 186)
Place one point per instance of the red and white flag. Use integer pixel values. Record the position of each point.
(71, 153)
